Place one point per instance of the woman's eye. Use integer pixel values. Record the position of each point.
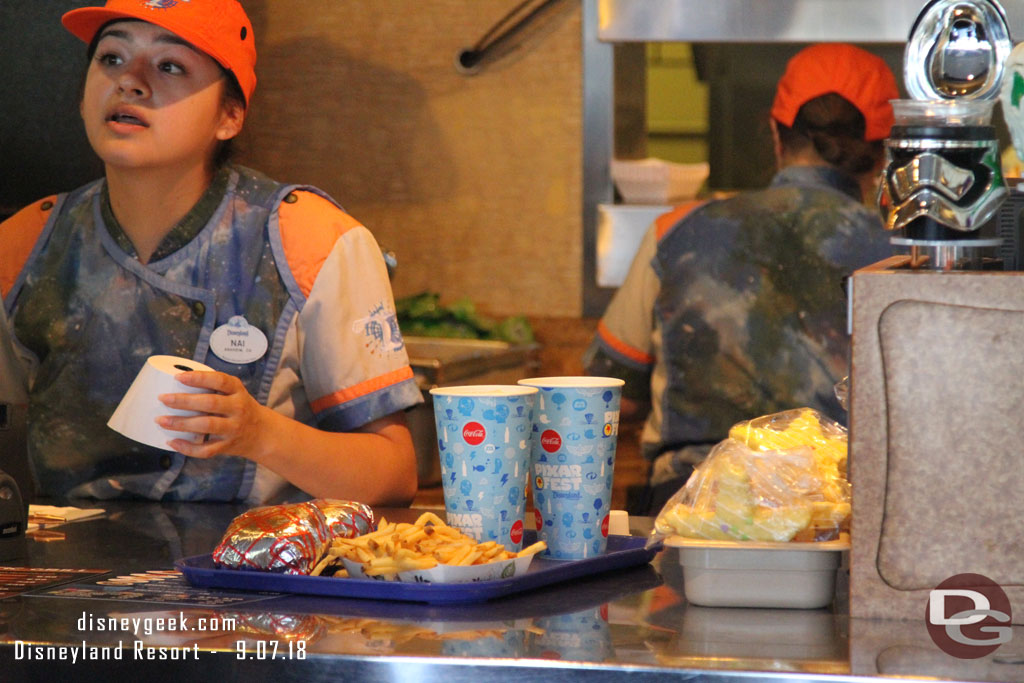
(172, 68)
(108, 59)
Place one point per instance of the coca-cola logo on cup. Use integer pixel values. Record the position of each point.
(550, 441)
(604, 524)
(473, 433)
(516, 533)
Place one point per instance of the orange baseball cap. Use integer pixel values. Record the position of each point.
(220, 28)
(861, 77)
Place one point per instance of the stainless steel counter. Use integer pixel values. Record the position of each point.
(634, 622)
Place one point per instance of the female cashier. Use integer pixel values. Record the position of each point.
(174, 244)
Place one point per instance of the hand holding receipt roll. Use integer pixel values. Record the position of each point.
(136, 415)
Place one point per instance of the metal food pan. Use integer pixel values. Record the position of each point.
(441, 361)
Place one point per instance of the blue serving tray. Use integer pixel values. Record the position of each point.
(622, 552)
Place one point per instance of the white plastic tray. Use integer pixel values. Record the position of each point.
(753, 574)
(656, 181)
(448, 574)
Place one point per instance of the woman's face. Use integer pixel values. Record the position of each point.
(151, 100)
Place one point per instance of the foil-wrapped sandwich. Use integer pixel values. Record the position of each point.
(290, 538)
(306, 627)
(345, 518)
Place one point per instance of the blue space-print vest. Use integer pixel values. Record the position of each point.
(91, 315)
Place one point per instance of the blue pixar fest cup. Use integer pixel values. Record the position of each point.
(578, 636)
(573, 461)
(483, 437)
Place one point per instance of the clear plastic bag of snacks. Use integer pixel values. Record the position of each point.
(780, 477)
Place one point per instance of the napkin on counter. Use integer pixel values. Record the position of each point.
(49, 515)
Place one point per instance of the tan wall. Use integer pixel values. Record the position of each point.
(475, 182)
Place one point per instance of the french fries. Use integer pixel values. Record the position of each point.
(397, 632)
(424, 544)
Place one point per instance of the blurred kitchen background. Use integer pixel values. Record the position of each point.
(483, 182)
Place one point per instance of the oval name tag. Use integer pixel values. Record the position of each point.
(236, 341)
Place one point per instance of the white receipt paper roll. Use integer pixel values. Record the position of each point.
(136, 414)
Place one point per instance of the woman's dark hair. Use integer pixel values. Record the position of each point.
(835, 129)
(233, 94)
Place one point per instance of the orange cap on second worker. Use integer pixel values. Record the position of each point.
(220, 28)
(859, 76)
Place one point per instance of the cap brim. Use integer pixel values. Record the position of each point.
(83, 23)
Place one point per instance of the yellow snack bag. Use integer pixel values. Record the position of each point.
(780, 477)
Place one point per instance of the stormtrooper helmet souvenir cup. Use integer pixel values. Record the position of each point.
(943, 183)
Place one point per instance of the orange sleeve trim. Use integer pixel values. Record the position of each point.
(622, 347)
(665, 221)
(362, 389)
(310, 226)
(18, 235)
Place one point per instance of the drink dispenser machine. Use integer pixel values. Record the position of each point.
(938, 333)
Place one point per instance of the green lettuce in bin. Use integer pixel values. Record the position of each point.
(422, 315)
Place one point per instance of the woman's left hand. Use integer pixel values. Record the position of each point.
(232, 422)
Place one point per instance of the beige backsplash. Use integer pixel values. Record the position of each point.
(475, 182)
